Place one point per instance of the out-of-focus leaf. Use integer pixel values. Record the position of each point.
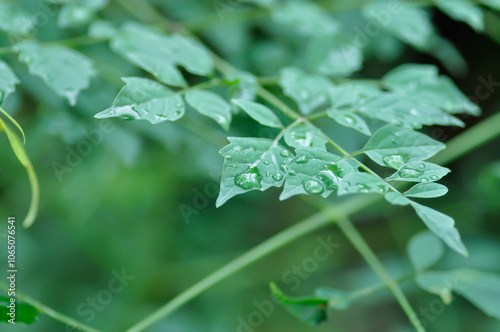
(24, 313)
(243, 85)
(64, 70)
(424, 250)
(464, 11)
(211, 105)
(395, 198)
(102, 30)
(8, 81)
(14, 19)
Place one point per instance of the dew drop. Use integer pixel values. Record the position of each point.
(278, 176)
(434, 177)
(283, 168)
(292, 172)
(285, 153)
(396, 160)
(178, 105)
(409, 173)
(250, 179)
(313, 187)
(330, 180)
(301, 160)
(304, 95)
(266, 162)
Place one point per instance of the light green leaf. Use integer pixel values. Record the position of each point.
(408, 22)
(259, 113)
(79, 12)
(464, 11)
(243, 85)
(442, 225)
(159, 54)
(102, 30)
(480, 288)
(354, 183)
(64, 70)
(251, 164)
(211, 105)
(22, 156)
(8, 81)
(493, 4)
(350, 120)
(13, 19)
(313, 172)
(308, 91)
(144, 99)
(419, 172)
(337, 299)
(427, 190)
(352, 94)
(303, 136)
(409, 76)
(394, 146)
(334, 55)
(311, 310)
(395, 198)
(400, 109)
(424, 250)
(304, 17)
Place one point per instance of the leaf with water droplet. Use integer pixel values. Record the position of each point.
(303, 136)
(350, 120)
(251, 164)
(211, 105)
(427, 190)
(8, 81)
(352, 94)
(424, 250)
(316, 172)
(400, 108)
(396, 198)
(63, 69)
(354, 183)
(144, 99)
(393, 140)
(259, 113)
(308, 91)
(419, 171)
(441, 225)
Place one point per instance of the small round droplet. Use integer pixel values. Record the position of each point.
(266, 162)
(278, 176)
(313, 187)
(285, 153)
(250, 179)
(434, 177)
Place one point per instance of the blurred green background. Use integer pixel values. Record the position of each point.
(123, 207)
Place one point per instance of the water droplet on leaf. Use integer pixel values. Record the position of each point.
(313, 187)
(250, 179)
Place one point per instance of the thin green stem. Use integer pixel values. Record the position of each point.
(51, 312)
(371, 259)
(367, 291)
(274, 243)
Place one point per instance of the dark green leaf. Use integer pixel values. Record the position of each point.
(24, 313)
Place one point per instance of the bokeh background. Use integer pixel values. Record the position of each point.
(123, 206)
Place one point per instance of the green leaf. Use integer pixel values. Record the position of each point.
(25, 313)
(395, 198)
(251, 164)
(394, 146)
(64, 70)
(303, 136)
(304, 17)
(442, 225)
(259, 113)
(334, 55)
(313, 172)
(311, 310)
(144, 99)
(354, 183)
(8, 81)
(13, 19)
(159, 54)
(308, 91)
(243, 85)
(337, 299)
(211, 105)
(464, 11)
(424, 250)
(352, 94)
(493, 4)
(480, 288)
(22, 156)
(79, 12)
(427, 190)
(399, 108)
(408, 22)
(350, 120)
(422, 83)
(102, 30)
(419, 172)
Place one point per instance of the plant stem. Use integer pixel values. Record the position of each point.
(274, 243)
(50, 312)
(371, 259)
